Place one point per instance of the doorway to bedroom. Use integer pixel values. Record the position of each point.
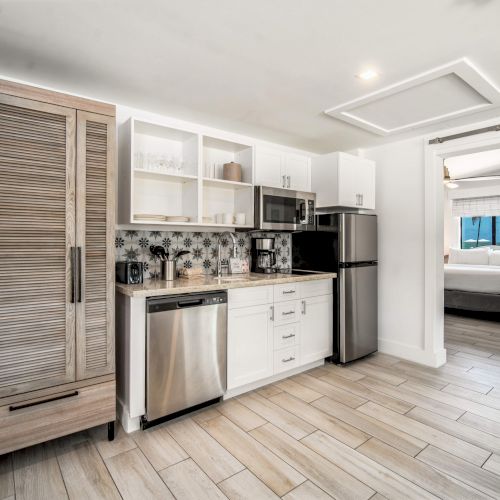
(471, 244)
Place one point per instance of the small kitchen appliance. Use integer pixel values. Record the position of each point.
(263, 255)
(129, 273)
(284, 209)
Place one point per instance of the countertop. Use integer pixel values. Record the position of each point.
(206, 283)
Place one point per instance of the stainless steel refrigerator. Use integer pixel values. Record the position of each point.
(345, 243)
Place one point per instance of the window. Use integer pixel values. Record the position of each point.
(479, 231)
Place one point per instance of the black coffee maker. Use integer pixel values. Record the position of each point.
(263, 255)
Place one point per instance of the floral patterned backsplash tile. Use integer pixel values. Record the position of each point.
(134, 245)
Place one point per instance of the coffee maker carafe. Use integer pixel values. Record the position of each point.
(263, 255)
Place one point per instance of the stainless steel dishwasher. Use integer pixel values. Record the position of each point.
(185, 352)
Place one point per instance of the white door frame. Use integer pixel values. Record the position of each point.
(434, 226)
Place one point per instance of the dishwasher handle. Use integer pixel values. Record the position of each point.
(189, 303)
(185, 301)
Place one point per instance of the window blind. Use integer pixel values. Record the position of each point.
(476, 207)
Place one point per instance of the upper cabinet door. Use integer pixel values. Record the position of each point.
(356, 179)
(94, 242)
(37, 233)
(269, 168)
(298, 171)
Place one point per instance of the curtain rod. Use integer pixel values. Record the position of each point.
(440, 140)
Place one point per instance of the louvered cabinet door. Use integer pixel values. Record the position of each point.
(37, 231)
(95, 245)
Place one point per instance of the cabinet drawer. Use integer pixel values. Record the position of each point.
(249, 296)
(315, 288)
(286, 359)
(286, 312)
(286, 291)
(286, 335)
(36, 420)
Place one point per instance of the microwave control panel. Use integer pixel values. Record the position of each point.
(310, 211)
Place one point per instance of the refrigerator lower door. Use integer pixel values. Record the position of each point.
(358, 312)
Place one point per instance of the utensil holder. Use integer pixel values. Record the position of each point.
(168, 271)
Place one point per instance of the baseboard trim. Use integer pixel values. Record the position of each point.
(410, 353)
(129, 424)
(237, 391)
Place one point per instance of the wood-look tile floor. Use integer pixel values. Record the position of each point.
(379, 428)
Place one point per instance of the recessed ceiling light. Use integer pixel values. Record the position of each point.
(367, 74)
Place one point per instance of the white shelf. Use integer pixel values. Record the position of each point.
(166, 176)
(247, 226)
(164, 223)
(225, 184)
(189, 193)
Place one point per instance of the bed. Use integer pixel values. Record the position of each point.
(472, 286)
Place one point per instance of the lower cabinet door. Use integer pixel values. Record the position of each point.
(316, 328)
(249, 345)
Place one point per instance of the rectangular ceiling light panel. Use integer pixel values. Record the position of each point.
(449, 91)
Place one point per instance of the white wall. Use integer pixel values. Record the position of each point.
(400, 209)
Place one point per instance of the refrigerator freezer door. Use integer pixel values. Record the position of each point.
(358, 312)
(358, 238)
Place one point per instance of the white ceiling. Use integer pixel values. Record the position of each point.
(262, 68)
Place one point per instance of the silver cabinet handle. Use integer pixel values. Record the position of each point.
(287, 313)
(291, 358)
(361, 200)
(287, 181)
(272, 313)
(303, 306)
(283, 183)
(288, 336)
(286, 292)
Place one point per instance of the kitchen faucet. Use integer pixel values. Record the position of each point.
(219, 247)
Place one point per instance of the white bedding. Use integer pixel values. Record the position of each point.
(472, 278)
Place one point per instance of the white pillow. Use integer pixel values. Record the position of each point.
(495, 258)
(473, 256)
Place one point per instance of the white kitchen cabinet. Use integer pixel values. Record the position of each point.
(343, 180)
(269, 168)
(275, 168)
(316, 328)
(297, 171)
(249, 345)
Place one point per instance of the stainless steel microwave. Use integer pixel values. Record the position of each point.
(284, 209)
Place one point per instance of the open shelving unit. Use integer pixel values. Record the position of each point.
(196, 191)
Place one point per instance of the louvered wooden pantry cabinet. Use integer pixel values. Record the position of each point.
(57, 164)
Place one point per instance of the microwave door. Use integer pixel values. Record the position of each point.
(279, 210)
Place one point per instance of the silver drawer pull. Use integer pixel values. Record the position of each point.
(287, 313)
(291, 358)
(288, 336)
(286, 292)
(272, 313)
